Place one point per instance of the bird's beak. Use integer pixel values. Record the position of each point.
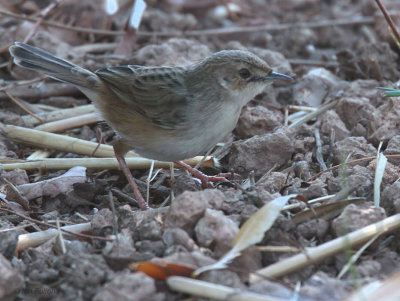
(276, 75)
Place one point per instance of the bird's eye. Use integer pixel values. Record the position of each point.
(244, 73)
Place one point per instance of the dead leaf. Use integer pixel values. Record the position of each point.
(251, 232)
(13, 205)
(55, 186)
(162, 269)
(323, 210)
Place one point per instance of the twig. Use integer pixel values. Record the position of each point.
(395, 156)
(43, 14)
(303, 62)
(14, 100)
(388, 19)
(217, 31)
(125, 197)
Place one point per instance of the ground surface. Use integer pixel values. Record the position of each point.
(342, 63)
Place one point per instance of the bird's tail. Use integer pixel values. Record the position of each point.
(39, 60)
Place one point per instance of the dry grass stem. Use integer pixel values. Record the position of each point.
(35, 239)
(95, 163)
(276, 249)
(38, 155)
(78, 146)
(328, 249)
(57, 142)
(314, 114)
(69, 123)
(214, 291)
(30, 121)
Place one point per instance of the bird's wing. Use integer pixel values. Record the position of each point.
(158, 94)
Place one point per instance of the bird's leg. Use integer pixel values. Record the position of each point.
(205, 180)
(120, 150)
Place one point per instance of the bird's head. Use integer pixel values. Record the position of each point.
(240, 72)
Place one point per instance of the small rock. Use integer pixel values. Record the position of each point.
(176, 236)
(257, 121)
(234, 202)
(274, 182)
(390, 198)
(393, 148)
(313, 228)
(128, 286)
(368, 268)
(174, 52)
(189, 207)
(301, 169)
(102, 222)
(216, 230)
(119, 253)
(158, 20)
(365, 88)
(356, 217)
(388, 260)
(321, 287)
(358, 147)
(271, 289)
(360, 179)
(315, 190)
(315, 87)
(147, 225)
(195, 259)
(223, 277)
(260, 153)
(247, 212)
(330, 121)
(389, 125)
(150, 246)
(11, 280)
(250, 260)
(9, 242)
(358, 114)
(391, 174)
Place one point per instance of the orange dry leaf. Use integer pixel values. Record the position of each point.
(161, 269)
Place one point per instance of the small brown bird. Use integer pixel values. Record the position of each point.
(163, 113)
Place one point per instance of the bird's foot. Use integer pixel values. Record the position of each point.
(205, 179)
(143, 205)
